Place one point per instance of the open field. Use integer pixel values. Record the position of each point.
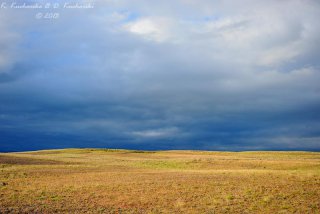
(123, 181)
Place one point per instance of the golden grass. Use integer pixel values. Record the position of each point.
(124, 181)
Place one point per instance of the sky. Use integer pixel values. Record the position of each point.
(157, 75)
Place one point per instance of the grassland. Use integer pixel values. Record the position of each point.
(123, 181)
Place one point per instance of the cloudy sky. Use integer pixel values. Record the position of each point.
(170, 74)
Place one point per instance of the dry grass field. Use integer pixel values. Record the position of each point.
(123, 181)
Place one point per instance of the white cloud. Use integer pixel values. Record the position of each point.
(157, 29)
(156, 133)
(280, 55)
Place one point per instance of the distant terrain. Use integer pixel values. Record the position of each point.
(126, 181)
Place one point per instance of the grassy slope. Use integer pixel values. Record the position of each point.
(121, 181)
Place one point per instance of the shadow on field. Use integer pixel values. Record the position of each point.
(5, 159)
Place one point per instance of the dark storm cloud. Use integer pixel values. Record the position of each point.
(210, 75)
